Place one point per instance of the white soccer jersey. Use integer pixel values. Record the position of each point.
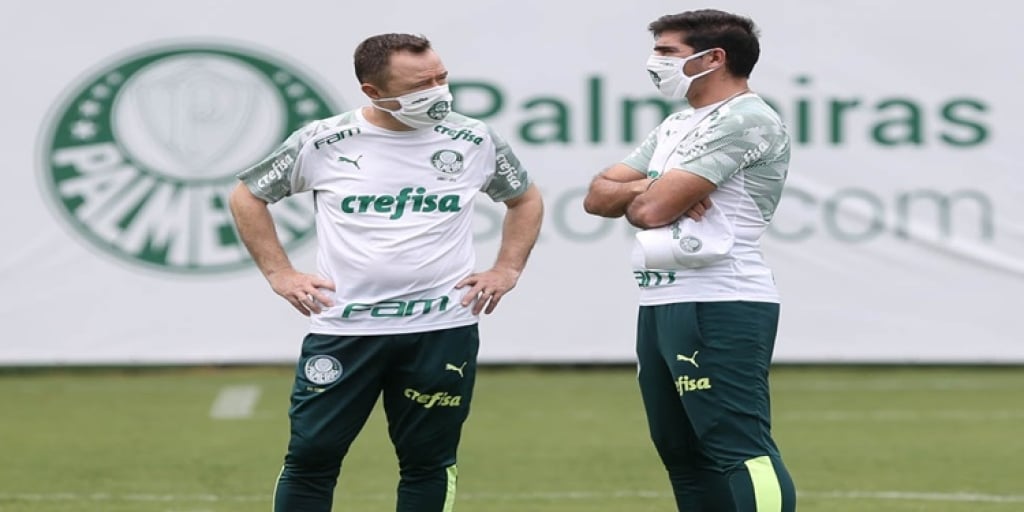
(394, 213)
(742, 147)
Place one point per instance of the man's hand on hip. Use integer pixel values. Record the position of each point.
(302, 291)
(487, 288)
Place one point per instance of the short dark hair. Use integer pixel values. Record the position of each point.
(373, 55)
(709, 28)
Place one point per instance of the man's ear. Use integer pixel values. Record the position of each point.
(718, 56)
(371, 90)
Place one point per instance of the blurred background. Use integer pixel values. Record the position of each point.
(899, 238)
(899, 241)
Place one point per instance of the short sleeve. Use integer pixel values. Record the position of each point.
(640, 158)
(726, 144)
(510, 179)
(277, 176)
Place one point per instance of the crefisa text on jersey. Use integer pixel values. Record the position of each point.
(461, 134)
(276, 171)
(508, 170)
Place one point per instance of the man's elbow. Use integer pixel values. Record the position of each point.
(531, 201)
(594, 206)
(646, 216)
(237, 197)
(241, 198)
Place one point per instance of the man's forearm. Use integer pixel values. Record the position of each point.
(256, 228)
(608, 198)
(520, 230)
(637, 213)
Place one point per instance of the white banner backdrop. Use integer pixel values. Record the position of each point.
(900, 238)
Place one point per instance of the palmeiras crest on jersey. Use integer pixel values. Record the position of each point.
(140, 155)
(322, 369)
(447, 161)
(690, 244)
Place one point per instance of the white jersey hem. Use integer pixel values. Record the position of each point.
(385, 331)
(660, 301)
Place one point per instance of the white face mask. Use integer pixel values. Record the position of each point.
(667, 74)
(420, 109)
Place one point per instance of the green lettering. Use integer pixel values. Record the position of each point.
(641, 278)
(978, 132)
(594, 90)
(346, 204)
(944, 209)
(398, 308)
(365, 202)
(838, 107)
(449, 203)
(355, 307)
(659, 109)
(792, 193)
(558, 122)
(383, 204)
(388, 308)
(410, 308)
(803, 113)
(429, 203)
(570, 202)
(327, 140)
(493, 99)
(875, 215)
(909, 124)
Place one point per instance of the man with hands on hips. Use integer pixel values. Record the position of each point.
(394, 302)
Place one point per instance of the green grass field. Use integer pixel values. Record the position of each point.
(539, 440)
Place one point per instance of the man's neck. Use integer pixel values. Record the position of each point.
(716, 92)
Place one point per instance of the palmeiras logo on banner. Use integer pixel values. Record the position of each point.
(140, 156)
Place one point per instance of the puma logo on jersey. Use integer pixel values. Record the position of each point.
(348, 160)
(456, 369)
(692, 359)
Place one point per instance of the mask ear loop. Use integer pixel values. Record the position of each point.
(373, 103)
(695, 56)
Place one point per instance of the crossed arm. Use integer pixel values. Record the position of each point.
(647, 203)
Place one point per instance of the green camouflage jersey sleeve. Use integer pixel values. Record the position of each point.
(731, 139)
(275, 177)
(747, 137)
(510, 179)
(640, 158)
